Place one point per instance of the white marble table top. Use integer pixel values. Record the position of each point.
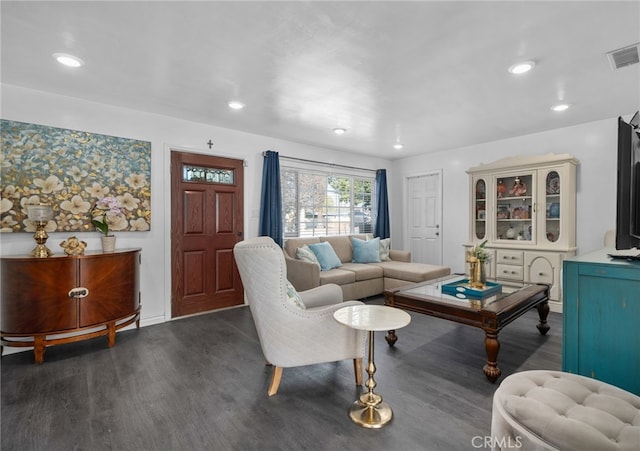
(372, 317)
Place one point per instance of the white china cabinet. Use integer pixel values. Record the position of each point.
(525, 208)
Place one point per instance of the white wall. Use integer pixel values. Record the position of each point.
(164, 133)
(593, 144)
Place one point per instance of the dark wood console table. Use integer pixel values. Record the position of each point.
(62, 299)
(490, 314)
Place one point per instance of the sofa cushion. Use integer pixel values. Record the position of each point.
(363, 271)
(366, 251)
(341, 245)
(338, 276)
(326, 256)
(294, 297)
(385, 248)
(412, 272)
(304, 253)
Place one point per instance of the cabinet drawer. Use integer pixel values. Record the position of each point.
(510, 258)
(510, 272)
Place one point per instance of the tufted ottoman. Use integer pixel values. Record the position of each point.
(552, 410)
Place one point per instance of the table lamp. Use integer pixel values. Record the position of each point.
(40, 215)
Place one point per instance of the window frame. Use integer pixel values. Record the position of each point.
(327, 172)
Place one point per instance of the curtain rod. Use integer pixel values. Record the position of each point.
(323, 163)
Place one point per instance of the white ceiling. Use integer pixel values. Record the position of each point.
(432, 75)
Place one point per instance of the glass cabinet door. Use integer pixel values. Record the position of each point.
(480, 210)
(552, 207)
(514, 207)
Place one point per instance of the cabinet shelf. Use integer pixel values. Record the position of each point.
(510, 199)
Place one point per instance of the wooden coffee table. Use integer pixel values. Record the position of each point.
(490, 314)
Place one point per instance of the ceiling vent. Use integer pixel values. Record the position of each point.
(623, 57)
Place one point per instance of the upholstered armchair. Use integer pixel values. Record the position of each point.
(294, 329)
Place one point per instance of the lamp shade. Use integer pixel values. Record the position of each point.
(40, 212)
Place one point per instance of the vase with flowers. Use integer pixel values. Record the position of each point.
(102, 213)
(477, 256)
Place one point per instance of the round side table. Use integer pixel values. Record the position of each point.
(369, 410)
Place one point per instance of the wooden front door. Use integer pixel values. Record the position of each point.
(206, 222)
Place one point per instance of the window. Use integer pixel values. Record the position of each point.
(322, 203)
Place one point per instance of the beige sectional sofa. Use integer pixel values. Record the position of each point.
(357, 280)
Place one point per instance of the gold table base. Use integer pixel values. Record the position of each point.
(369, 410)
(371, 417)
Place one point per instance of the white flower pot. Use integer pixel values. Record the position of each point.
(108, 243)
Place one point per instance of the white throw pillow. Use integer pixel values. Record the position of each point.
(304, 253)
(385, 247)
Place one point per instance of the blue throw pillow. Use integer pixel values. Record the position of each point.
(366, 251)
(326, 256)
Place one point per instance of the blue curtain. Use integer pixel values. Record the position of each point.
(382, 228)
(271, 199)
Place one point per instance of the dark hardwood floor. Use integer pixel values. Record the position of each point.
(200, 383)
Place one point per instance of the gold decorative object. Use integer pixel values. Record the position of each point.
(476, 257)
(73, 246)
(40, 215)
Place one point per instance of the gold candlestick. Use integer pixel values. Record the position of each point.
(40, 215)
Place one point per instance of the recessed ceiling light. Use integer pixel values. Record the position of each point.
(560, 107)
(339, 131)
(68, 60)
(521, 68)
(236, 105)
(398, 146)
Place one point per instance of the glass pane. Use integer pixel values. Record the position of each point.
(207, 175)
(289, 184)
(481, 208)
(312, 190)
(514, 208)
(362, 222)
(552, 187)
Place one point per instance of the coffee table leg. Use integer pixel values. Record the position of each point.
(492, 346)
(543, 312)
(391, 337)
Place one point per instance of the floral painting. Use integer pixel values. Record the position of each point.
(72, 171)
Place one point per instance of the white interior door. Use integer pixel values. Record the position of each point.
(424, 196)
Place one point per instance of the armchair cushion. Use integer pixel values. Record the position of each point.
(366, 251)
(323, 295)
(326, 256)
(294, 297)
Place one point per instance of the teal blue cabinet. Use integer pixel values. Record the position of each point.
(601, 319)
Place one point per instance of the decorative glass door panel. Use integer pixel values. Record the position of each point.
(514, 207)
(480, 204)
(552, 207)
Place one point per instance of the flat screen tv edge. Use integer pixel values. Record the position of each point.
(628, 185)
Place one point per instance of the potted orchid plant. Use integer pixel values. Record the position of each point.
(103, 209)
